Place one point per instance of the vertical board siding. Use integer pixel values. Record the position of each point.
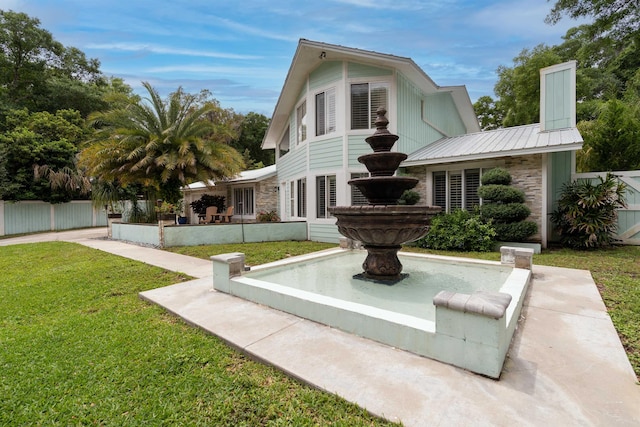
(36, 216)
(439, 109)
(325, 154)
(327, 72)
(357, 71)
(72, 215)
(557, 100)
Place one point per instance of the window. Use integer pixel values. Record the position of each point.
(325, 194)
(326, 112)
(301, 122)
(243, 201)
(283, 146)
(456, 189)
(365, 100)
(302, 197)
(357, 198)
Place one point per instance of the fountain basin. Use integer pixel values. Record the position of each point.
(471, 326)
(382, 163)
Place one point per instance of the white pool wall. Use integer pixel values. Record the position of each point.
(458, 337)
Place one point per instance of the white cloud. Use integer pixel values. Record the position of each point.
(142, 47)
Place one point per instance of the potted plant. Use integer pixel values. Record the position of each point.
(165, 210)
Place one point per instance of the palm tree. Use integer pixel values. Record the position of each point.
(161, 145)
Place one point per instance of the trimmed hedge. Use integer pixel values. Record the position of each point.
(515, 231)
(500, 193)
(498, 176)
(509, 212)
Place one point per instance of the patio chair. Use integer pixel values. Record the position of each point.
(227, 217)
(210, 215)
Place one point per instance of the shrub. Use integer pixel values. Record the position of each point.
(459, 231)
(515, 231)
(500, 193)
(200, 206)
(409, 197)
(504, 206)
(498, 176)
(270, 216)
(586, 216)
(509, 212)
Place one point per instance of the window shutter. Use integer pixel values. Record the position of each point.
(321, 204)
(331, 110)
(440, 189)
(357, 198)
(301, 118)
(455, 191)
(471, 184)
(360, 106)
(379, 98)
(332, 191)
(320, 114)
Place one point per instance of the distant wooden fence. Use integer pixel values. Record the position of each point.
(629, 218)
(36, 216)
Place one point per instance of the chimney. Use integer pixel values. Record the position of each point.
(558, 96)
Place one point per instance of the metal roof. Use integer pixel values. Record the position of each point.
(253, 175)
(512, 141)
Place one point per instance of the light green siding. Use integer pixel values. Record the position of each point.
(357, 147)
(292, 164)
(558, 100)
(326, 73)
(356, 71)
(560, 174)
(423, 119)
(325, 154)
(324, 233)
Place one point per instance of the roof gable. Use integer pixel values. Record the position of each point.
(309, 55)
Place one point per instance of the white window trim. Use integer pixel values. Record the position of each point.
(306, 122)
(315, 113)
(391, 108)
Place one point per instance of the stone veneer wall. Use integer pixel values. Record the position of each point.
(266, 195)
(420, 172)
(526, 174)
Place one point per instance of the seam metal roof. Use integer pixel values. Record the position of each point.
(511, 141)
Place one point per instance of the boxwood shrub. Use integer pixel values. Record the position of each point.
(459, 231)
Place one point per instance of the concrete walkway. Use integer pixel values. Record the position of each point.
(566, 365)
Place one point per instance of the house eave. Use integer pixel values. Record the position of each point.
(492, 155)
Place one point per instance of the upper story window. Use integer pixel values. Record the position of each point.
(301, 122)
(365, 100)
(326, 112)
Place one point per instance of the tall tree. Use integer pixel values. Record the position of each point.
(249, 142)
(160, 144)
(518, 88)
(489, 115)
(39, 73)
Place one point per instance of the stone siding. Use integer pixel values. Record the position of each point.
(266, 194)
(526, 174)
(420, 172)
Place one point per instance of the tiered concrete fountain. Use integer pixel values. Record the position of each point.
(383, 225)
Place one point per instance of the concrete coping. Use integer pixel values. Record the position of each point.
(235, 260)
(519, 257)
(488, 304)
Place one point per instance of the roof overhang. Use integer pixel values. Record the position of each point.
(506, 142)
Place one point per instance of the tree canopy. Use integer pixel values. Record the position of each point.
(608, 82)
(161, 144)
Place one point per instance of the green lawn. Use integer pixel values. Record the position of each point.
(78, 347)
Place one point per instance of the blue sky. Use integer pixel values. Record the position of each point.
(241, 50)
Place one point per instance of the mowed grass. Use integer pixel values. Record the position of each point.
(616, 273)
(78, 347)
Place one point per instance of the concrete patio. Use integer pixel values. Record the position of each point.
(566, 365)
